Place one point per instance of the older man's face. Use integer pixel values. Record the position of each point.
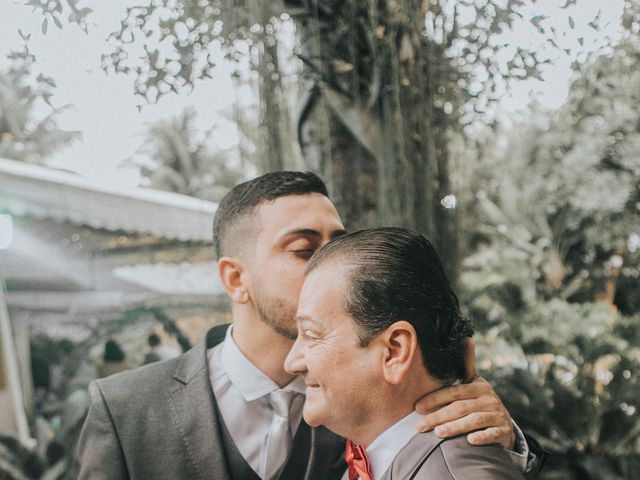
(340, 375)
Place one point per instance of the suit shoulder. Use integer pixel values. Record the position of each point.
(137, 376)
(479, 462)
(141, 383)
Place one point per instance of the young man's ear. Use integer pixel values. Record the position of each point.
(233, 276)
(400, 343)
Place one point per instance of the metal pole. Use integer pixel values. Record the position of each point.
(13, 375)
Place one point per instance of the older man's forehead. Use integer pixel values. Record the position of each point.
(304, 317)
(320, 284)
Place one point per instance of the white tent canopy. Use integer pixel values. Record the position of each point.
(53, 267)
(40, 192)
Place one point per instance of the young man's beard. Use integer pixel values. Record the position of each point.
(278, 314)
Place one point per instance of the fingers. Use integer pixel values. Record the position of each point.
(454, 393)
(503, 436)
(486, 428)
(460, 410)
(472, 408)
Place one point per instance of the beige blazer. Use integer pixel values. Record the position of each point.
(427, 457)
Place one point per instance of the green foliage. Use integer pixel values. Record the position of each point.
(53, 10)
(575, 387)
(381, 89)
(23, 136)
(555, 233)
(570, 206)
(176, 38)
(567, 372)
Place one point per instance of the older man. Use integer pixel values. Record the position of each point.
(379, 327)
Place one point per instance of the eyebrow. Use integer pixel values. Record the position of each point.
(306, 232)
(302, 318)
(306, 318)
(309, 232)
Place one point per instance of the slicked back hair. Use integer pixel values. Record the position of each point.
(241, 201)
(395, 274)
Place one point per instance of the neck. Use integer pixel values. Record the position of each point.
(368, 433)
(398, 401)
(262, 346)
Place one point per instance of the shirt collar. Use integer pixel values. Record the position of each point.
(386, 446)
(250, 381)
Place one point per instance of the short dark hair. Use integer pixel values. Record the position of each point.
(243, 198)
(395, 274)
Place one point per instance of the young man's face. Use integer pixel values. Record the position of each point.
(290, 230)
(341, 376)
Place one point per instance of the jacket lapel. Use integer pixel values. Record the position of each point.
(412, 456)
(192, 406)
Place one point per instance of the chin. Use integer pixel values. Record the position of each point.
(312, 417)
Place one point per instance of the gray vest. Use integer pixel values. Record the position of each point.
(293, 468)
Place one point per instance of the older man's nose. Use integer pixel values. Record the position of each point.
(294, 363)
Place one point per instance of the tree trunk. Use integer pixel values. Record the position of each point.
(401, 180)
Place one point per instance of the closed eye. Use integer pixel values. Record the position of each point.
(308, 335)
(306, 253)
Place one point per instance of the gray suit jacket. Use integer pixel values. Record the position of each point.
(160, 422)
(427, 457)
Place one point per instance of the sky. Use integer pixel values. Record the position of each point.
(105, 108)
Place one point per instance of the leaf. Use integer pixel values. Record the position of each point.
(569, 3)
(45, 25)
(581, 41)
(48, 80)
(24, 36)
(572, 23)
(57, 22)
(535, 21)
(538, 18)
(595, 23)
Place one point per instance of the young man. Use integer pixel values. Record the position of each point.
(227, 408)
(378, 328)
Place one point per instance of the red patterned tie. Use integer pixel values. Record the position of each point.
(358, 462)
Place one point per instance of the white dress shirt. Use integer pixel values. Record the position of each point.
(242, 393)
(387, 445)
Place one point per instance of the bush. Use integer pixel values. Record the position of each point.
(569, 375)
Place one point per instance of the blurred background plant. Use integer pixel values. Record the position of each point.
(25, 134)
(553, 277)
(176, 158)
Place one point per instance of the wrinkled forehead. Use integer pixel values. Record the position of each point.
(323, 290)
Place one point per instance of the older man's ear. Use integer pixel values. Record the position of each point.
(400, 351)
